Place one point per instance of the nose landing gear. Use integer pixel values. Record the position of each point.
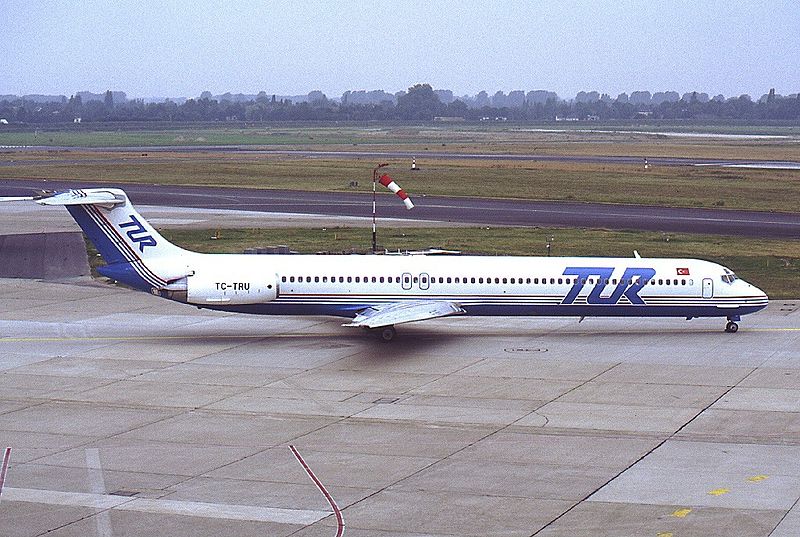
(732, 327)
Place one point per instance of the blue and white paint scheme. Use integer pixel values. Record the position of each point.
(380, 291)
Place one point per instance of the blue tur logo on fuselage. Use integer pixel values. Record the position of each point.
(629, 285)
(138, 234)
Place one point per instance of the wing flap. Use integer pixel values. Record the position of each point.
(405, 312)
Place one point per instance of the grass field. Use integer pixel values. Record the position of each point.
(584, 139)
(683, 186)
(680, 186)
(772, 265)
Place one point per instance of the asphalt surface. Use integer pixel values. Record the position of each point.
(444, 155)
(132, 415)
(450, 209)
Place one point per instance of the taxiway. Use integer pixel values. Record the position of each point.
(131, 415)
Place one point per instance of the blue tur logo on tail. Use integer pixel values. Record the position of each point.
(138, 234)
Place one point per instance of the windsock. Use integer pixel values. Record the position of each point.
(389, 183)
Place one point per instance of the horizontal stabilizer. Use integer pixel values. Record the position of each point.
(80, 197)
(16, 198)
(404, 312)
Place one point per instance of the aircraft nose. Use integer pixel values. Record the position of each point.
(759, 293)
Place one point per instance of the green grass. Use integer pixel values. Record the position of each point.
(683, 186)
(772, 265)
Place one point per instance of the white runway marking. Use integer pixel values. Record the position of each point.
(97, 484)
(251, 513)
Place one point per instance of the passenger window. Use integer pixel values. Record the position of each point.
(416, 279)
(324, 279)
(349, 279)
(441, 279)
(358, 280)
(283, 279)
(527, 280)
(457, 280)
(497, 280)
(316, 279)
(374, 279)
(291, 279)
(472, 280)
(505, 280)
(449, 279)
(480, 280)
(381, 279)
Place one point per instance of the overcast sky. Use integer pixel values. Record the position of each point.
(171, 48)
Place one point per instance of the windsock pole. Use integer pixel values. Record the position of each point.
(374, 206)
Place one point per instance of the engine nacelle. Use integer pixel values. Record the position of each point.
(209, 287)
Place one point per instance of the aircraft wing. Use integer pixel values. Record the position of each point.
(404, 312)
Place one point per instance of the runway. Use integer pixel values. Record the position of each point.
(131, 415)
(494, 212)
(441, 155)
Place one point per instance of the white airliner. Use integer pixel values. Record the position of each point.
(380, 291)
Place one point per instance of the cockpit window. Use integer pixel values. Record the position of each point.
(729, 277)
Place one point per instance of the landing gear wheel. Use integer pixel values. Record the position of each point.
(387, 334)
(731, 327)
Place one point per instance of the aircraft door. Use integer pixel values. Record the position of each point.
(708, 288)
(406, 280)
(424, 281)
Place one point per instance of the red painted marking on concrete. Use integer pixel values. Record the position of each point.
(6, 458)
(324, 491)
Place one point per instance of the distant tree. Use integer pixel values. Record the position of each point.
(108, 100)
(499, 99)
(419, 103)
(317, 98)
(482, 99)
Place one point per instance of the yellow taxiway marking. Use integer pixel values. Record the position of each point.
(718, 492)
(757, 478)
(664, 534)
(265, 336)
(681, 513)
(144, 338)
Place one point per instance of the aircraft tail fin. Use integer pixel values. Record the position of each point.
(131, 247)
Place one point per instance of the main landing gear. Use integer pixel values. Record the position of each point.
(387, 333)
(732, 327)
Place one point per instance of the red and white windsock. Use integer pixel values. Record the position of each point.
(389, 183)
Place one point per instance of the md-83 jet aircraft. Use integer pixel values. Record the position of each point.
(380, 291)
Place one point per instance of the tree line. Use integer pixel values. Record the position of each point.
(419, 103)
